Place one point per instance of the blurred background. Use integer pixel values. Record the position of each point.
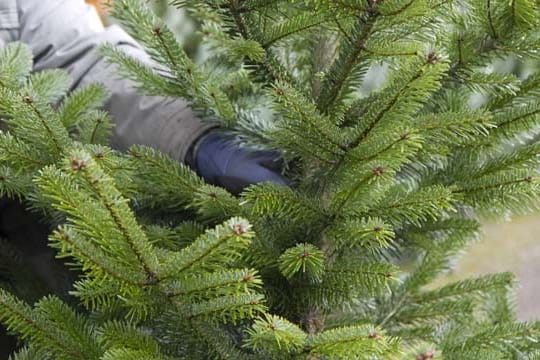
(511, 244)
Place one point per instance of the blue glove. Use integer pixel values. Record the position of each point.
(221, 161)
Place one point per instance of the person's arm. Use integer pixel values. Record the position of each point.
(65, 34)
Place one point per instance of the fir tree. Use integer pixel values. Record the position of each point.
(389, 185)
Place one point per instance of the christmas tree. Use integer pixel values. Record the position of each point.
(388, 183)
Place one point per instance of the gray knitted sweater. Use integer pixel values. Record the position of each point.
(65, 34)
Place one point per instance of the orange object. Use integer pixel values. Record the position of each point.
(99, 5)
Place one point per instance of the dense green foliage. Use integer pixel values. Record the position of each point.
(388, 186)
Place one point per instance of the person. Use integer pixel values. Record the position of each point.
(65, 34)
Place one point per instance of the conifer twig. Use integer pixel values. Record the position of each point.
(332, 87)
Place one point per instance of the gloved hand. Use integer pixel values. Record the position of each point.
(221, 161)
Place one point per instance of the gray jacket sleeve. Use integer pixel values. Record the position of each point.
(65, 34)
